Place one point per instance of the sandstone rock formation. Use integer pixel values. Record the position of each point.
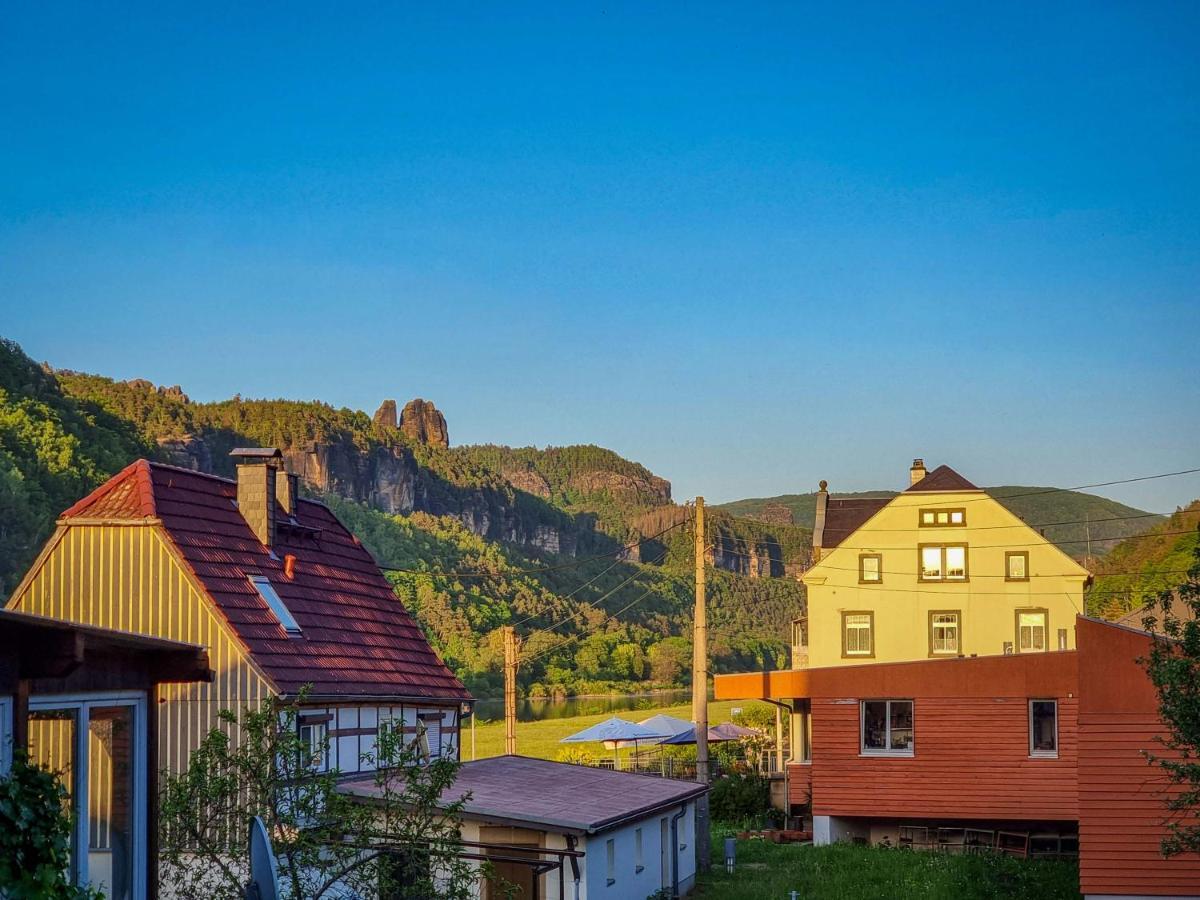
(386, 414)
(422, 422)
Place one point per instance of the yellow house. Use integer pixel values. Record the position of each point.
(940, 570)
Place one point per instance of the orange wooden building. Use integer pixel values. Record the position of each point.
(1036, 753)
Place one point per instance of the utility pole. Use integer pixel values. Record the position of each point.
(700, 692)
(510, 689)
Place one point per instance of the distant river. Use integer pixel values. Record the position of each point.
(536, 710)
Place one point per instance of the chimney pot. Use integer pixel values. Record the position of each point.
(289, 566)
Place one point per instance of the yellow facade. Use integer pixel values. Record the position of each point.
(872, 582)
(128, 576)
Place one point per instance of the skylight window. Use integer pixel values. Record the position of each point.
(275, 602)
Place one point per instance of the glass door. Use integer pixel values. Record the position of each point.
(98, 749)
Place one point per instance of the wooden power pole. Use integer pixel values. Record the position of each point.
(510, 689)
(700, 692)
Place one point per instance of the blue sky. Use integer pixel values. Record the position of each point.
(748, 248)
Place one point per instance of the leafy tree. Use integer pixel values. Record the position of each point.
(327, 844)
(1174, 668)
(35, 836)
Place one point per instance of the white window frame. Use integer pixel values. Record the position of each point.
(933, 626)
(270, 596)
(1020, 648)
(864, 750)
(323, 745)
(944, 562)
(868, 627)
(1043, 754)
(82, 704)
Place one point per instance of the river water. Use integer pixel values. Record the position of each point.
(534, 710)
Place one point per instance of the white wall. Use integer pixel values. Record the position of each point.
(831, 830)
(353, 729)
(626, 881)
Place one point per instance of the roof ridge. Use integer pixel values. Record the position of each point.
(139, 469)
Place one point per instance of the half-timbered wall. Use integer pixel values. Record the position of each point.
(125, 576)
(352, 730)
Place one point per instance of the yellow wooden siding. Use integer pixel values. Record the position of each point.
(127, 577)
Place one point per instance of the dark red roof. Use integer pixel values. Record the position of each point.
(357, 638)
(845, 515)
(943, 478)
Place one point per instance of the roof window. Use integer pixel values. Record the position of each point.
(267, 591)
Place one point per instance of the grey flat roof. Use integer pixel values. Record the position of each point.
(524, 791)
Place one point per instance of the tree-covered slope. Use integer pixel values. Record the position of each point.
(1143, 566)
(1107, 521)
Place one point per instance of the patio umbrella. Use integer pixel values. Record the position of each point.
(615, 731)
(668, 725)
(726, 731)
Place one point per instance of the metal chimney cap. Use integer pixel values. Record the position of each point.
(256, 453)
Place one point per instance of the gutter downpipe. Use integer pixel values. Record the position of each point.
(675, 849)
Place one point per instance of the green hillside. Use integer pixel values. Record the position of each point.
(1137, 569)
(1108, 521)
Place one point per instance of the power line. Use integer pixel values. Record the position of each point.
(1036, 493)
(534, 571)
(594, 603)
(1015, 525)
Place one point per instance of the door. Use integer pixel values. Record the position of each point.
(664, 842)
(98, 748)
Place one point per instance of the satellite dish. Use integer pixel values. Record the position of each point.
(264, 872)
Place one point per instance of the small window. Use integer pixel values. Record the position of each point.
(943, 518)
(611, 851)
(1016, 566)
(887, 727)
(1043, 728)
(800, 632)
(945, 633)
(1031, 630)
(638, 864)
(943, 562)
(1062, 639)
(267, 591)
(870, 568)
(858, 638)
(313, 742)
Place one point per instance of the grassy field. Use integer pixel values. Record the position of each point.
(767, 871)
(541, 739)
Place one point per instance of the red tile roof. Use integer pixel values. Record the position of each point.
(357, 638)
(845, 515)
(943, 478)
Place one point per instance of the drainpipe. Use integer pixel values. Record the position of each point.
(675, 849)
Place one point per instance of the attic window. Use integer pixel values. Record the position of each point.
(275, 602)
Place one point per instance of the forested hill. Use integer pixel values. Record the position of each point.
(545, 527)
(1106, 521)
(1139, 568)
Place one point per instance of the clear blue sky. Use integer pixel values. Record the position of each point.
(750, 248)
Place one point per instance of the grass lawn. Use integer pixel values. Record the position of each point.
(541, 739)
(767, 871)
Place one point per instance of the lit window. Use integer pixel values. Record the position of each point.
(1043, 728)
(267, 591)
(857, 636)
(943, 517)
(1031, 631)
(611, 851)
(870, 568)
(313, 741)
(944, 633)
(1016, 566)
(943, 562)
(887, 727)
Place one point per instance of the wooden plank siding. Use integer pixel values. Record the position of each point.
(799, 783)
(971, 761)
(127, 577)
(1121, 796)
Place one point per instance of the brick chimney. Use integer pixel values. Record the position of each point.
(287, 493)
(256, 470)
(917, 472)
(819, 520)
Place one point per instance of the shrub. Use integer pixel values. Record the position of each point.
(740, 798)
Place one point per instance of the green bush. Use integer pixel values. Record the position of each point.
(35, 836)
(740, 798)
